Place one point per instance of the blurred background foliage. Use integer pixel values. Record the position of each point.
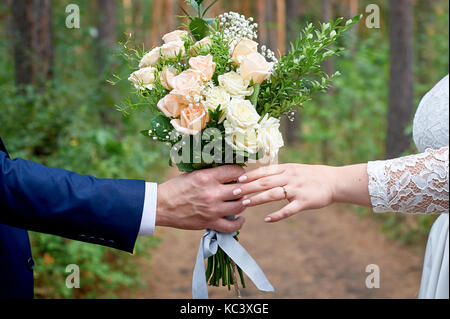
(67, 118)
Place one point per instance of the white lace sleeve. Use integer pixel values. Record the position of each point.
(412, 184)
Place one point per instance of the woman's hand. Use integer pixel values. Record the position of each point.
(304, 186)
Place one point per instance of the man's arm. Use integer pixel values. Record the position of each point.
(56, 201)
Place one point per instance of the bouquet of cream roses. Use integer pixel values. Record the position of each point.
(218, 99)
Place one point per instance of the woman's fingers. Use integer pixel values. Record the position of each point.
(271, 195)
(261, 184)
(287, 211)
(260, 172)
(228, 192)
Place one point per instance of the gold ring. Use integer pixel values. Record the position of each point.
(285, 192)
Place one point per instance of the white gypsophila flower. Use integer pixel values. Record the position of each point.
(241, 114)
(241, 139)
(270, 139)
(235, 85)
(214, 97)
(143, 78)
(235, 26)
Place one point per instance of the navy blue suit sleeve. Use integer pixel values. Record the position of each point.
(59, 202)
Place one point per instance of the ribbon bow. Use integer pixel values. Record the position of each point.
(209, 244)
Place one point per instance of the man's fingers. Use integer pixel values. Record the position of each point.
(226, 173)
(287, 211)
(228, 226)
(231, 208)
(261, 184)
(260, 172)
(272, 195)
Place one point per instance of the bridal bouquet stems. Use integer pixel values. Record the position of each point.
(217, 96)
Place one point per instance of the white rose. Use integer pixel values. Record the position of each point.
(216, 96)
(177, 35)
(270, 139)
(143, 78)
(254, 67)
(151, 58)
(241, 114)
(173, 49)
(241, 139)
(234, 84)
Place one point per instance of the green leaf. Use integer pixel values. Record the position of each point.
(161, 126)
(145, 133)
(185, 167)
(199, 28)
(254, 97)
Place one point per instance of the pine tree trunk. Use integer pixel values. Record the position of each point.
(156, 21)
(328, 66)
(262, 17)
(33, 40)
(270, 22)
(245, 8)
(401, 77)
(292, 22)
(168, 20)
(107, 26)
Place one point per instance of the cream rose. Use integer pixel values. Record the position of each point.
(177, 35)
(151, 58)
(199, 45)
(216, 96)
(244, 48)
(186, 84)
(143, 78)
(205, 65)
(241, 114)
(270, 139)
(192, 120)
(255, 67)
(234, 84)
(241, 139)
(173, 49)
(171, 105)
(166, 75)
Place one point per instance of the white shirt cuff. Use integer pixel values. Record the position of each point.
(149, 210)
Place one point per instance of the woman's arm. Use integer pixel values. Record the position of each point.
(413, 184)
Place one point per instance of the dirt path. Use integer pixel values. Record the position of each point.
(320, 254)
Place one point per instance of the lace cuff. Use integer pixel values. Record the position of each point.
(416, 184)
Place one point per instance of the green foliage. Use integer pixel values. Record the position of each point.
(199, 26)
(298, 74)
(70, 122)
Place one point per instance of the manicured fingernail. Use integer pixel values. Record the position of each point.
(246, 202)
(237, 191)
(268, 219)
(242, 179)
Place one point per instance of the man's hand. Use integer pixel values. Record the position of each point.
(201, 200)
